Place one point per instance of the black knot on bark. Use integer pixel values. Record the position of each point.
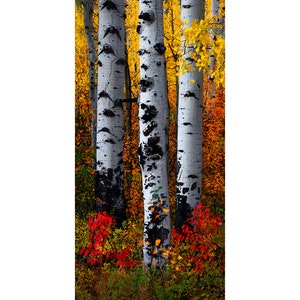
(150, 112)
(153, 140)
(143, 51)
(107, 49)
(112, 30)
(143, 66)
(147, 16)
(149, 128)
(160, 48)
(103, 94)
(145, 84)
(138, 29)
(109, 5)
(108, 113)
(190, 94)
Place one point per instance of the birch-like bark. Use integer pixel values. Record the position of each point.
(215, 30)
(88, 6)
(189, 134)
(110, 115)
(153, 124)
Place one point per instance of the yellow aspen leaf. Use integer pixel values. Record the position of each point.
(165, 210)
(155, 251)
(157, 242)
(186, 21)
(152, 209)
(177, 268)
(192, 81)
(166, 254)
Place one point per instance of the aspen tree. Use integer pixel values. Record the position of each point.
(189, 134)
(110, 115)
(153, 124)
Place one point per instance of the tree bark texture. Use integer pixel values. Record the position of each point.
(189, 134)
(153, 124)
(110, 115)
(88, 25)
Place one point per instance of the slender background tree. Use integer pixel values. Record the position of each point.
(88, 6)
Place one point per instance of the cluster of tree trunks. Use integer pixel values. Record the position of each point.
(107, 99)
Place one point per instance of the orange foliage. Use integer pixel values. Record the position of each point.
(214, 150)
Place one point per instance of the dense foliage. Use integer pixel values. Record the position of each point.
(108, 259)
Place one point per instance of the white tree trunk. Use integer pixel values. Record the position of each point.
(110, 117)
(189, 134)
(88, 25)
(153, 122)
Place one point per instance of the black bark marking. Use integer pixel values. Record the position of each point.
(146, 2)
(152, 141)
(144, 83)
(150, 112)
(142, 52)
(110, 141)
(154, 94)
(186, 6)
(185, 190)
(104, 129)
(178, 167)
(183, 210)
(187, 123)
(143, 66)
(108, 113)
(150, 184)
(180, 183)
(193, 176)
(99, 63)
(107, 49)
(190, 94)
(152, 166)
(120, 61)
(142, 157)
(160, 48)
(118, 169)
(112, 30)
(194, 185)
(147, 16)
(108, 188)
(138, 30)
(158, 63)
(103, 94)
(109, 5)
(180, 151)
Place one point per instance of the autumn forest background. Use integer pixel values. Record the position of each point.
(37, 158)
(108, 258)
